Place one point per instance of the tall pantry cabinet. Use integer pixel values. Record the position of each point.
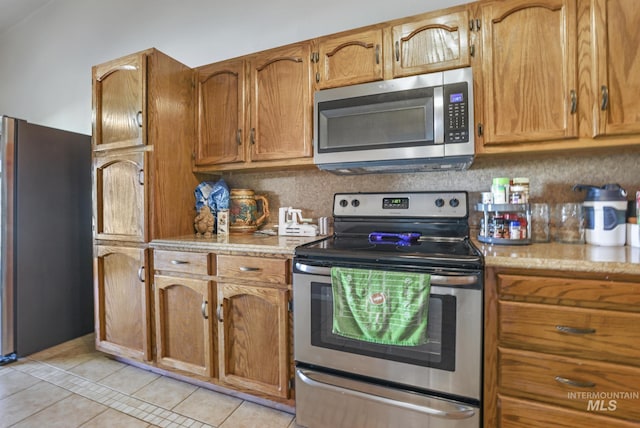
(143, 129)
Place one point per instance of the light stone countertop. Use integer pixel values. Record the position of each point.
(250, 243)
(565, 257)
(549, 256)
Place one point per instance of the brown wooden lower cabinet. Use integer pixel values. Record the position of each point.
(517, 413)
(121, 293)
(253, 338)
(184, 325)
(561, 349)
(224, 319)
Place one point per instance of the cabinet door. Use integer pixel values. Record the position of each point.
(252, 338)
(281, 118)
(120, 197)
(221, 113)
(529, 67)
(121, 298)
(617, 64)
(184, 327)
(350, 59)
(430, 44)
(119, 103)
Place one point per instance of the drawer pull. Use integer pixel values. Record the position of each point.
(576, 383)
(249, 269)
(574, 330)
(179, 262)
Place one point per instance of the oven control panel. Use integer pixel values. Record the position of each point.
(452, 204)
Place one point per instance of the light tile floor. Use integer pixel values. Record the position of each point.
(73, 385)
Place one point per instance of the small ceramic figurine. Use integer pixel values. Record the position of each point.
(204, 223)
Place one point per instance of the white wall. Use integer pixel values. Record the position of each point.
(45, 60)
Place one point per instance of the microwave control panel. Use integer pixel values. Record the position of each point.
(456, 113)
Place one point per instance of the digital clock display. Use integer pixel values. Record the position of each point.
(395, 203)
(456, 98)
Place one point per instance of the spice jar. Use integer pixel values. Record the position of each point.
(523, 182)
(514, 230)
(518, 195)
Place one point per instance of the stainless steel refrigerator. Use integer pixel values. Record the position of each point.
(46, 290)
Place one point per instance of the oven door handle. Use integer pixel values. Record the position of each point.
(448, 280)
(457, 411)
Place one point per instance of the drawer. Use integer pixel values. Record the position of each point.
(570, 291)
(589, 333)
(516, 413)
(589, 386)
(181, 261)
(254, 268)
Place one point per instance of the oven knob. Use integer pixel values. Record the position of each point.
(343, 203)
(439, 202)
(355, 203)
(454, 202)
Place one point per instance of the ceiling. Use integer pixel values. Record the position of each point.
(14, 11)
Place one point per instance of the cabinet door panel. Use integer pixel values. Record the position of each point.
(253, 341)
(122, 300)
(529, 71)
(281, 104)
(184, 338)
(431, 44)
(119, 92)
(349, 60)
(616, 39)
(552, 379)
(516, 413)
(221, 113)
(120, 197)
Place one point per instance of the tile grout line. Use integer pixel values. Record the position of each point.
(114, 399)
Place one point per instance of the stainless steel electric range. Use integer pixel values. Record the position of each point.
(350, 381)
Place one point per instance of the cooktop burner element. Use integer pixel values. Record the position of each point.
(410, 228)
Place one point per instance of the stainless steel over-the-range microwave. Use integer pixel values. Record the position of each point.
(416, 123)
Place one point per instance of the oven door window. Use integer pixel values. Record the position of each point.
(438, 353)
(397, 119)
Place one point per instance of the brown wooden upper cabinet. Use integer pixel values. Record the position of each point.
(616, 78)
(349, 59)
(529, 71)
(118, 100)
(256, 109)
(222, 113)
(430, 42)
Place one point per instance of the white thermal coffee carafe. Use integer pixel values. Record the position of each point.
(605, 211)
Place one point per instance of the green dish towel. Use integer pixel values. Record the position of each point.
(380, 306)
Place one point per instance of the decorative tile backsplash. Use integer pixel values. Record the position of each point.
(551, 180)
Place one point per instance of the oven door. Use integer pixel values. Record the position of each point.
(449, 364)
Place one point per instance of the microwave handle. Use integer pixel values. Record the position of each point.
(438, 115)
(453, 280)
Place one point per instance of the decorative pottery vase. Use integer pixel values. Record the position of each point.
(243, 211)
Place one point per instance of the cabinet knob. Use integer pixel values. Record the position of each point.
(574, 101)
(141, 274)
(575, 330)
(397, 50)
(249, 269)
(576, 383)
(219, 313)
(139, 118)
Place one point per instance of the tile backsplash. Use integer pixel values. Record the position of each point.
(551, 180)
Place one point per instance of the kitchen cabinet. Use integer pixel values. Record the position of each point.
(142, 176)
(119, 102)
(430, 42)
(529, 72)
(122, 299)
(349, 59)
(184, 298)
(120, 195)
(616, 65)
(553, 338)
(268, 120)
(253, 335)
(222, 113)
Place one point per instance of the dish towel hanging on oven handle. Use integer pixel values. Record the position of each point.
(378, 306)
